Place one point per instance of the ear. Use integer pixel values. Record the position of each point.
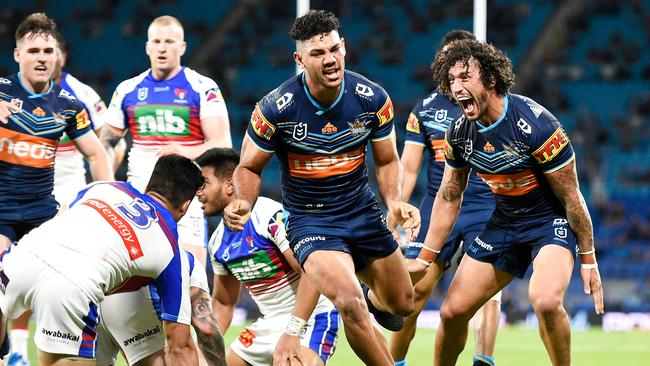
(183, 48)
(16, 55)
(343, 46)
(229, 187)
(184, 207)
(298, 59)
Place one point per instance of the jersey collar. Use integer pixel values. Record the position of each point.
(484, 129)
(321, 109)
(31, 93)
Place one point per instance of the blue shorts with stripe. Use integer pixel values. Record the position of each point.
(511, 246)
(470, 222)
(18, 218)
(360, 232)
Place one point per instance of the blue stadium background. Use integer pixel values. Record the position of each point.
(584, 60)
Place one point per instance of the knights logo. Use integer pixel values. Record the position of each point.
(329, 129)
(143, 93)
(440, 115)
(300, 131)
(488, 148)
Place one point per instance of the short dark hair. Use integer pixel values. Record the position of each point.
(456, 35)
(176, 178)
(222, 160)
(494, 65)
(37, 24)
(313, 23)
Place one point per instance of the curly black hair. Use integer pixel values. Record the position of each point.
(494, 65)
(313, 23)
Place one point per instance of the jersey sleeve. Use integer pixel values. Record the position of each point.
(93, 103)
(551, 146)
(78, 124)
(453, 153)
(414, 133)
(212, 102)
(173, 286)
(261, 129)
(115, 115)
(213, 246)
(198, 277)
(277, 232)
(384, 114)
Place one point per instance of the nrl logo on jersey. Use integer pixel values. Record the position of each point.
(364, 90)
(143, 93)
(283, 101)
(357, 128)
(64, 94)
(468, 148)
(300, 131)
(440, 115)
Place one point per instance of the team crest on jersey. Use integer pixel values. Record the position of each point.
(59, 119)
(261, 126)
(180, 93)
(143, 93)
(38, 112)
(283, 101)
(300, 131)
(488, 148)
(357, 128)
(65, 94)
(5, 81)
(413, 124)
(82, 119)
(329, 129)
(440, 115)
(386, 113)
(214, 95)
(17, 102)
(364, 90)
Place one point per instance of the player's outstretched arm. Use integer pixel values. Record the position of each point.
(247, 180)
(444, 213)
(110, 137)
(205, 324)
(411, 161)
(180, 349)
(564, 183)
(224, 298)
(98, 160)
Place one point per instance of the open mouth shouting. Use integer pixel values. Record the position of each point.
(468, 104)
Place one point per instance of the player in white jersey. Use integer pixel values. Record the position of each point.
(130, 322)
(260, 258)
(69, 170)
(169, 109)
(112, 239)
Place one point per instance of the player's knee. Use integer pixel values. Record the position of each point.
(403, 305)
(454, 312)
(351, 308)
(546, 304)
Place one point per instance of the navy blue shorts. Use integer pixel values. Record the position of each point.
(18, 220)
(360, 232)
(511, 246)
(470, 222)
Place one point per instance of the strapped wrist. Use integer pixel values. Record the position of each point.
(295, 325)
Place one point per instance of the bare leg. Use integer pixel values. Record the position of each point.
(474, 283)
(400, 342)
(52, 359)
(332, 273)
(390, 284)
(551, 275)
(233, 359)
(487, 326)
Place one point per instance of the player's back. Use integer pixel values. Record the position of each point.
(113, 238)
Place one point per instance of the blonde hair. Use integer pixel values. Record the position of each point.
(167, 20)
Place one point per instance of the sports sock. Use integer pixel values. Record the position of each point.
(484, 360)
(400, 363)
(18, 338)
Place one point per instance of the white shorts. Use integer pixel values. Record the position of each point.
(66, 318)
(256, 343)
(128, 323)
(192, 228)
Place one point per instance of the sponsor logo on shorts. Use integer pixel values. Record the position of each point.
(306, 240)
(59, 334)
(140, 336)
(483, 244)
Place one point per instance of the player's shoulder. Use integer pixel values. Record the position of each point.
(81, 90)
(280, 99)
(9, 83)
(200, 83)
(129, 85)
(364, 88)
(529, 111)
(65, 99)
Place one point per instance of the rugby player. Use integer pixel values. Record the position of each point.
(168, 109)
(259, 257)
(112, 239)
(425, 131)
(34, 114)
(522, 152)
(319, 123)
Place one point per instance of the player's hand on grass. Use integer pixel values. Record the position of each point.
(6, 109)
(287, 351)
(416, 269)
(594, 287)
(236, 214)
(406, 216)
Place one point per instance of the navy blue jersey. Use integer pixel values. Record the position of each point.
(28, 141)
(426, 126)
(513, 155)
(322, 150)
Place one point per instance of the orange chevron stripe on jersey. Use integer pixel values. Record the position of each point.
(386, 113)
(27, 150)
(516, 184)
(324, 166)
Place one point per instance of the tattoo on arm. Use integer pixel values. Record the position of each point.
(454, 184)
(108, 138)
(211, 341)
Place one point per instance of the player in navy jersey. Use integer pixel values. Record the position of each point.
(34, 113)
(522, 152)
(425, 131)
(318, 124)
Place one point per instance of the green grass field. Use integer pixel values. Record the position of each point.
(515, 346)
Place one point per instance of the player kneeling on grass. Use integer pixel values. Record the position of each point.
(297, 325)
(112, 239)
